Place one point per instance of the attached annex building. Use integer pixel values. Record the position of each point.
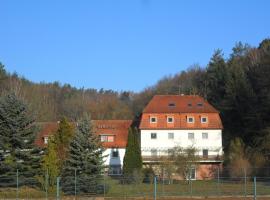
(185, 121)
(113, 136)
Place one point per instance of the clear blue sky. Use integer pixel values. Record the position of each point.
(122, 45)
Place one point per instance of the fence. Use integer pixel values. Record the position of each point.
(77, 186)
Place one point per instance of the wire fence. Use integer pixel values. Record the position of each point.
(140, 186)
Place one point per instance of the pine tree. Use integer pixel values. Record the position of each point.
(133, 158)
(62, 140)
(85, 159)
(17, 135)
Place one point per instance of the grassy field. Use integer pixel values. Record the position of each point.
(117, 189)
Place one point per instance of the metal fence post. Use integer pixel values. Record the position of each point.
(245, 179)
(58, 188)
(255, 189)
(17, 184)
(75, 183)
(155, 188)
(46, 182)
(190, 182)
(104, 187)
(218, 176)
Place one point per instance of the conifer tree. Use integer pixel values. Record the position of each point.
(133, 158)
(62, 140)
(85, 159)
(17, 135)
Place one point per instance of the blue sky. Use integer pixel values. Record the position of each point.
(122, 45)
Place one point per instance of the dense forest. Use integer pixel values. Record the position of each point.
(238, 86)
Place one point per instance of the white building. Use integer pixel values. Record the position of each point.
(113, 135)
(185, 121)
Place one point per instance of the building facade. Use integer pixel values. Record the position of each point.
(113, 136)
(184, 121)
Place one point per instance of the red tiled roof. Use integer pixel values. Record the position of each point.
(46, 129)
(180, 107)
(178, 104)
(118, 128)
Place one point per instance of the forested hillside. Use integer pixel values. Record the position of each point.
(238, 86)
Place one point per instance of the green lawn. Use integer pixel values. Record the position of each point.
(116, 188)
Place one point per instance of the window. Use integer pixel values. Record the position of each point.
(192, 174)
(46, 139)
(106, 138)
(191, 136)
(205, 153)
(170, 120)
(153, 136)
(153, 152)
(153, 120)
(171, 136)
(171, 104)
(205, 136)
(115, 153)
(199, 104)
(203, 119)
(189, 105)
(190, 119)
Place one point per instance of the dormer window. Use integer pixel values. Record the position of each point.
(170, 120)
(171, 104)
(199, 104)
(107, 138)
(190, 119)
(203, 120)
(153, 119)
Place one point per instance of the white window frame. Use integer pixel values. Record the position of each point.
(105, 138)
(152, 137)
(170, 118)
(205, 138)
(190, 117)
(206, 119)
(152, 121)
(205, 156)
(172, 134)
(195, 173)
(190, 134)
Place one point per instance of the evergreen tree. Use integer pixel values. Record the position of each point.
(17, 135)
(133, 157)
(62, 140)
(85, 159)
(216, 76)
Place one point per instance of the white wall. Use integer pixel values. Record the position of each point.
(163, 143)
(109, 160)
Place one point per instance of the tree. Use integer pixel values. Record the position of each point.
(85, 159)
(237, 159)
(62, 140)
(184, 160)
(216, 75)
(50, 167)
(132, 158)
(17, 135)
